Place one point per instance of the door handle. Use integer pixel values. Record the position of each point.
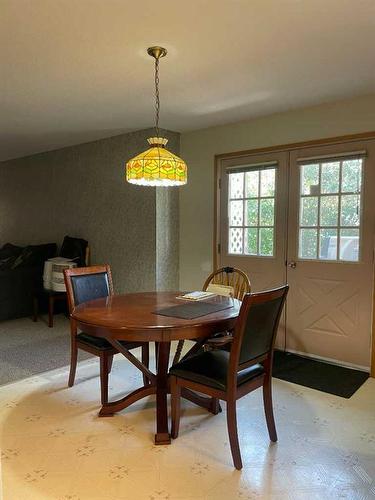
(292, 264)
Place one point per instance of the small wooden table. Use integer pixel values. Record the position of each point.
(131, 317)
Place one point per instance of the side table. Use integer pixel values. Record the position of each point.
(52, 296)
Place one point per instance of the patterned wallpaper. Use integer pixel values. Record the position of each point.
(81, 191)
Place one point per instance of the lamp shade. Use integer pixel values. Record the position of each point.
(157, 166)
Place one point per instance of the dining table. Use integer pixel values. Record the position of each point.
(141, 317)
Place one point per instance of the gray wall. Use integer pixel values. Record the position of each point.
(81, 191)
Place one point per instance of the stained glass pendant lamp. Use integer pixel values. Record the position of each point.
(157, 166)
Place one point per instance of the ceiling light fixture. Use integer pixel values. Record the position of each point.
(157, 166)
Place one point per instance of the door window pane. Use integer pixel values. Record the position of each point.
(252, 184)
(308, 245)
(350, 210)
(251, 212)
(267, 182)
(236, 185)
(309, 178)
(235, 240)
(328, 244)
(251, 241)
(329, 210)
(349, 244)
(266, 212)
(330, 180)
(309, 211)
(337, 217)
(266, 241)
(236, 213)
(351, 176)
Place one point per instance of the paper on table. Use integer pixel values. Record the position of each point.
(196, 296)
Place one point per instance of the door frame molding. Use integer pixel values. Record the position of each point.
(285, 147)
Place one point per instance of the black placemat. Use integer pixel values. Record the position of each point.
(194, 309)
(318, 375)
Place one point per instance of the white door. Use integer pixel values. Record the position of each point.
(306, 217)
(330, 252)
(253, 213)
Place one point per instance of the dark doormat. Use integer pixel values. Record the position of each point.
(318, 375)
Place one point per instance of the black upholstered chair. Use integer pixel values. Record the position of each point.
(88, 283)
(231, 375)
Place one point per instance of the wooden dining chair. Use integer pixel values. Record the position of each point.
(231, 375)
(88, 283)
(226, 280)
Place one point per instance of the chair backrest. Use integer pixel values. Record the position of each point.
(256, 328)
(87, 283)
(230, 276)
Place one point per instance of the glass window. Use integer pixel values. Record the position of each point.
(251, 212)
(330, 210)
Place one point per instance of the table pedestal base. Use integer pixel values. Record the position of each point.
(158, 385)
(109, 409)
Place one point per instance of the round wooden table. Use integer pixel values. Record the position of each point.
(132, 317)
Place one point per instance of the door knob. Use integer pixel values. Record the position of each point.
(292, 264)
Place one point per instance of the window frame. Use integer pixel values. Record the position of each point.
(255, 167)
(339, 194)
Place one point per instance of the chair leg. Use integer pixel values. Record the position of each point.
(215, 406)
(268, 408)
(110, 363)
(73, 362)
(233, 434)
(177, 354)
(175, 407)
(104, 378)
(145, 361)
(156, 355)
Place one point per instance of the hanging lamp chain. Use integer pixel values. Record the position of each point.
(157, 97)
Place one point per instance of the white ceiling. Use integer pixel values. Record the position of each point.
(77, 70)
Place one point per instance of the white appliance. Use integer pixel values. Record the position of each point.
(53, 274)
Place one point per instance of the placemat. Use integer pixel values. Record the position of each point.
(193, 309)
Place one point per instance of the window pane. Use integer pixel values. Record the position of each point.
(309, 212)
(328, 244)
(351, 176)
(251, 241)
(251, 212)
(329, 210)
(309, 177)
(308, 247)
(330, 177)
(350, 210)
(267, 182)
(349, 244)
(235, 240)
(235, 213)
(266, 212)
(236, 185)
(266, 241)
(252, 184)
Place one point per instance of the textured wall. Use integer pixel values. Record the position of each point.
(167, 238)
(198, 149)
(81, 191)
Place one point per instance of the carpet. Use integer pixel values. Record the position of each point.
(28, 348)
(319, 375)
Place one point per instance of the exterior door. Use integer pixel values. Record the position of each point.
(305, 217)
(253, 211)
(330, 252)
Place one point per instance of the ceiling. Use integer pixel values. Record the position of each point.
(73, 71)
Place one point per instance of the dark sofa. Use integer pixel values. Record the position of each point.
(21, 273)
